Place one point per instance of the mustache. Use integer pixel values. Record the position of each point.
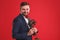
(25, 12)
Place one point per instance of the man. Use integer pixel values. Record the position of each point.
(21, 29)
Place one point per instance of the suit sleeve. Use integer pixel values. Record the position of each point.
(16, 28)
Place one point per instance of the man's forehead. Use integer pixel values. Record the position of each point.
(25, 6)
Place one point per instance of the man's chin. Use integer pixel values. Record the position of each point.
(25, 14)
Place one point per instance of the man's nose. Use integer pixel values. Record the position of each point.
(26, 11)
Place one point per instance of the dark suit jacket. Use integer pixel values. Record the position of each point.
(20, 29)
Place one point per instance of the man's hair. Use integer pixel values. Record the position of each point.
(24, 3)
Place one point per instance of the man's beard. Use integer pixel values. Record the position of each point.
(24, 14)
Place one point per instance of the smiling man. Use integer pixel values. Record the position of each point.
(21, 29)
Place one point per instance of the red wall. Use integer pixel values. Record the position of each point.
(45, 12)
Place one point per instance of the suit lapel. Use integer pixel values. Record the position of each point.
(23, 20)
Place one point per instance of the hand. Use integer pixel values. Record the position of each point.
(31, 32)
(35, 30)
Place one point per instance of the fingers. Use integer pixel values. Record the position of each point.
(35, 29)
(31, 32)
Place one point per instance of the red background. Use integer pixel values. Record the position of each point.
(45, 12)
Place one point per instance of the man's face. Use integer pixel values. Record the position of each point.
(25, 10)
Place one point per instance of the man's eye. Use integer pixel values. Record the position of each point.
(27, 9)
(23, 9)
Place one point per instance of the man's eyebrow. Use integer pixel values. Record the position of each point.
(23, 9)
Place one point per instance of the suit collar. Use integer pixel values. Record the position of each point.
(22, 18)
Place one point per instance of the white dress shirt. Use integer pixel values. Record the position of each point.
(26, 21)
